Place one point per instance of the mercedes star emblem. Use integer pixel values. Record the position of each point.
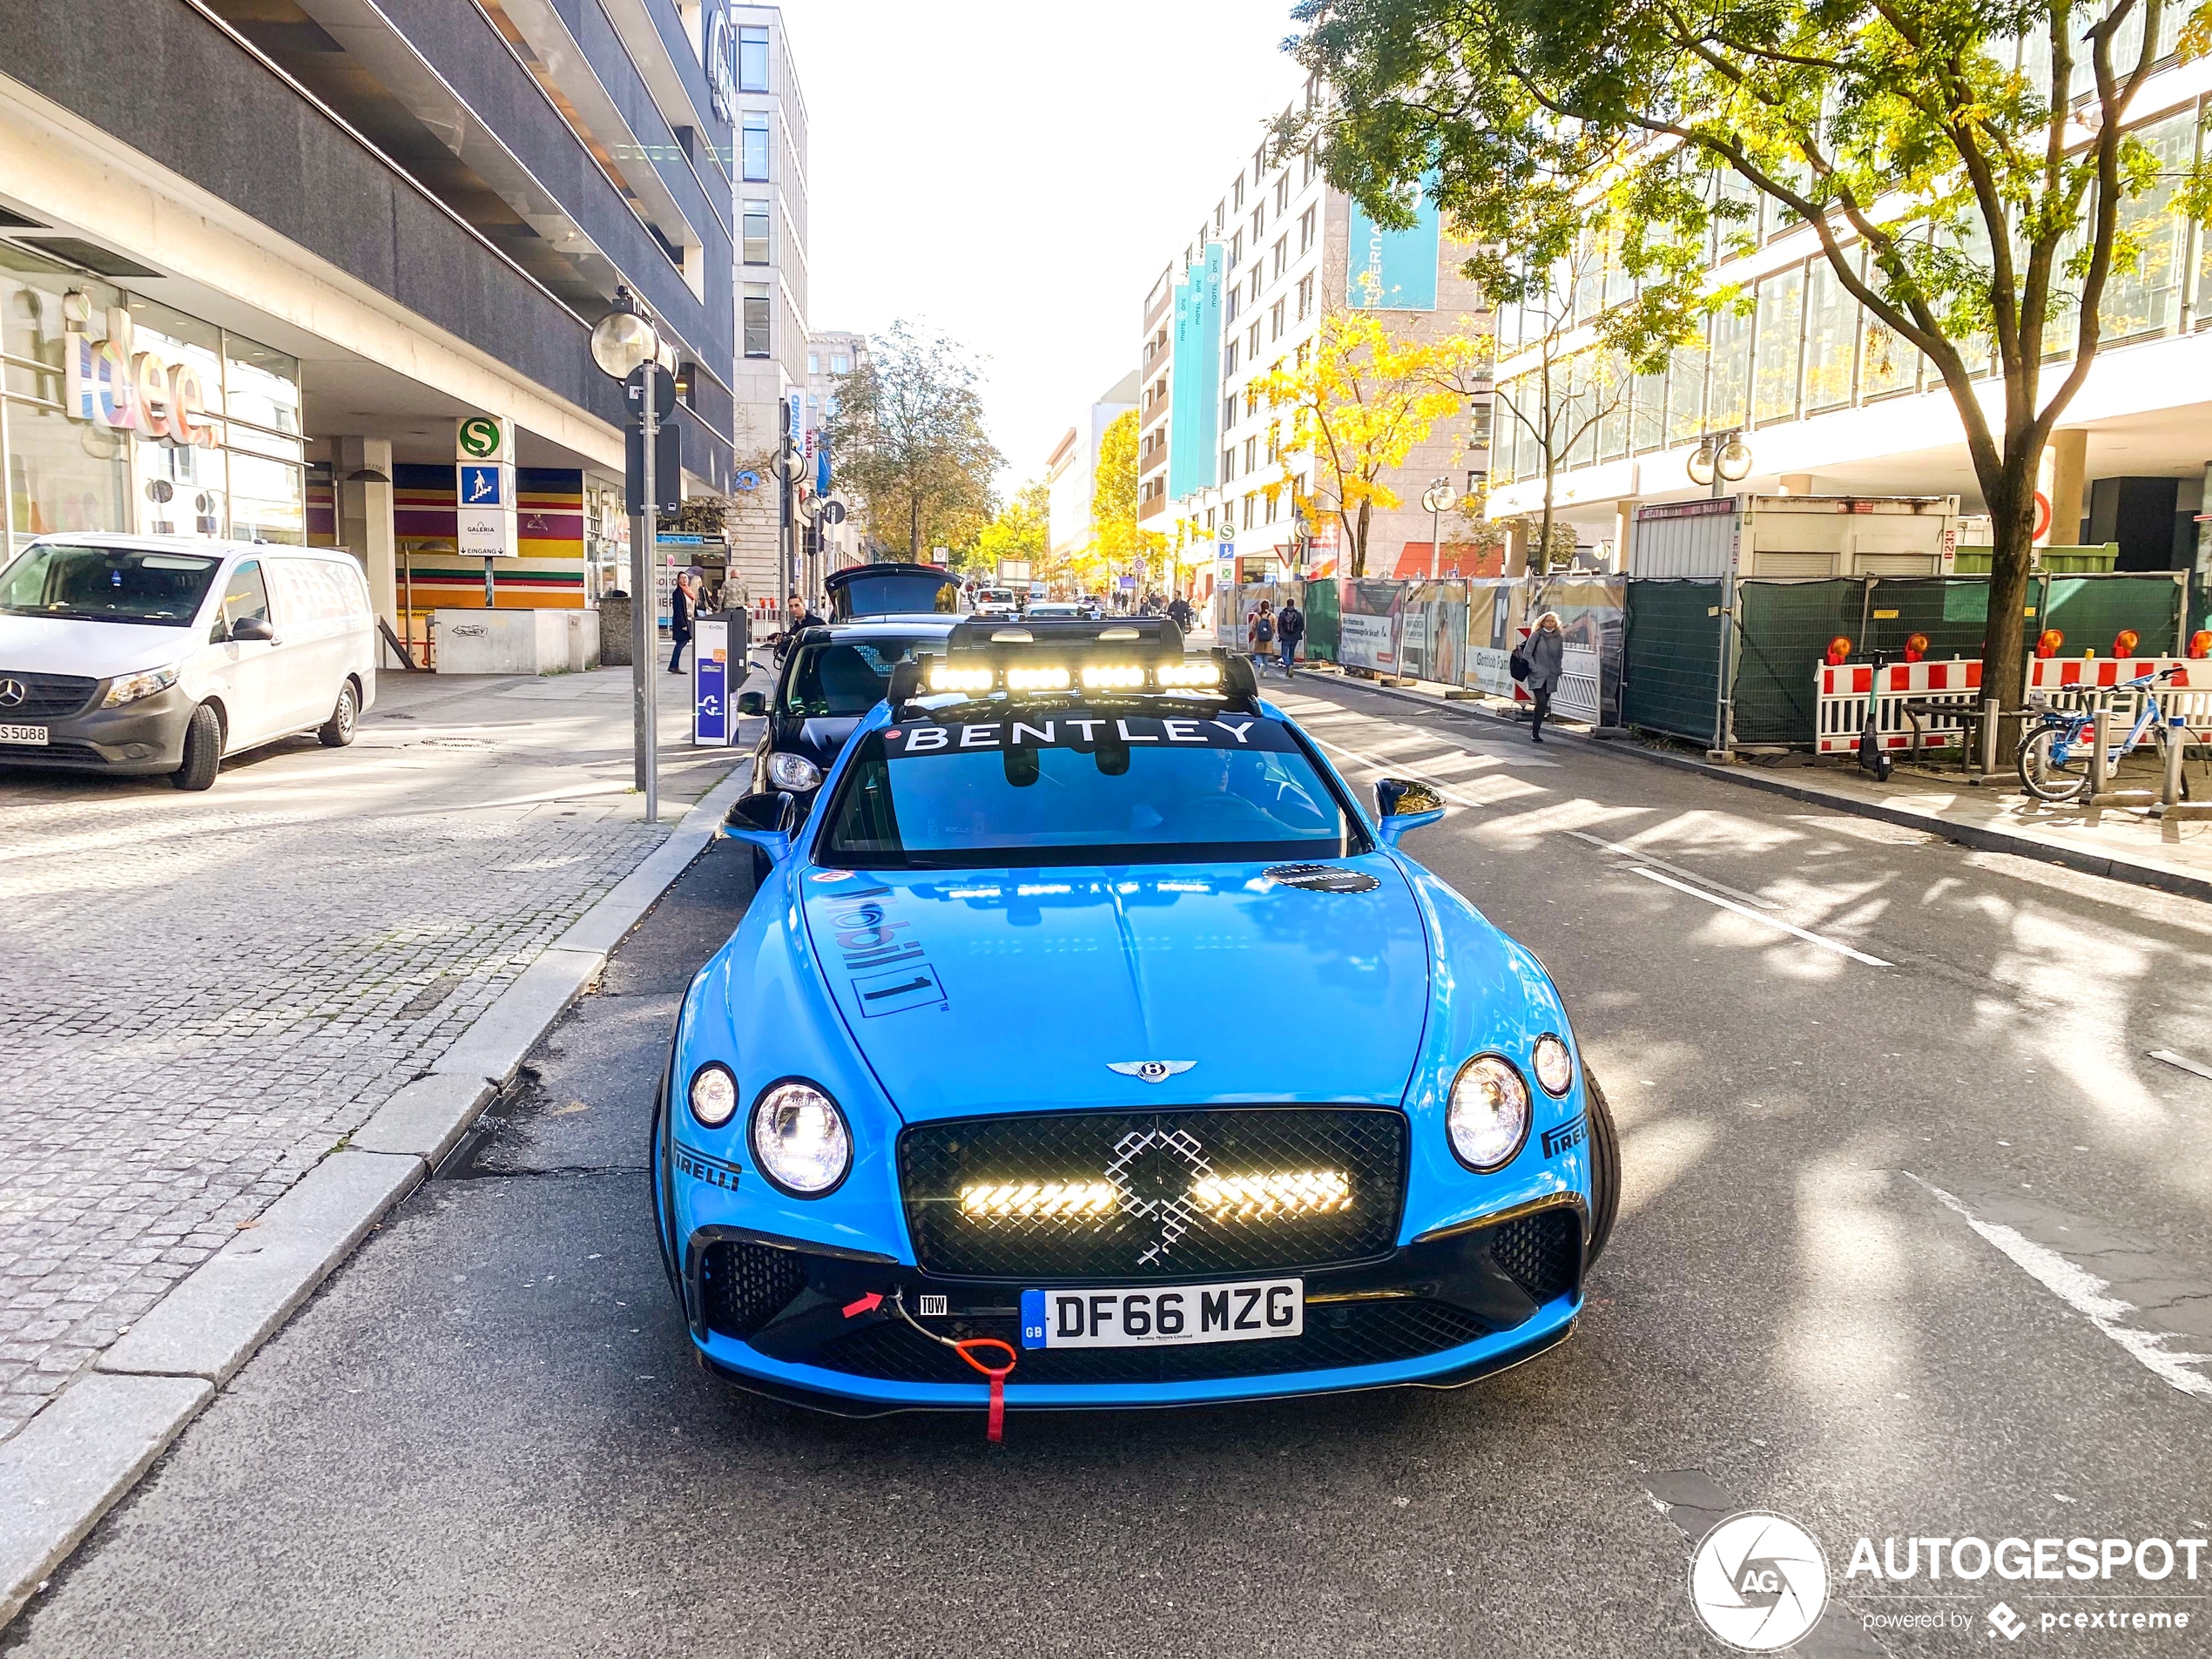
(12, 693)
(1152, 1071)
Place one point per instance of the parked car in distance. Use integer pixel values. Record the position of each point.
(830, 679)
(997, 602)
(149, 654)
(1075, 610)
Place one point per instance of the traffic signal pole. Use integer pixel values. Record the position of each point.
(645, 638)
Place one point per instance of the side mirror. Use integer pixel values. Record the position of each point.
(752, 703)
(1404, 804)
(766, 820)
(252, 627)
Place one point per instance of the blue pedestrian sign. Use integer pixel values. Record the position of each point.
(480, 486)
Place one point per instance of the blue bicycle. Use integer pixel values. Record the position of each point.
(2056, 755)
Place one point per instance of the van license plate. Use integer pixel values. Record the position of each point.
(1164, 1315)
(32, 734)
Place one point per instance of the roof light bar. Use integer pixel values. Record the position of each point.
(1112, 676)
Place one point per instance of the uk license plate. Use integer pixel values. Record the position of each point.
(31, 734)
(1163, 1315)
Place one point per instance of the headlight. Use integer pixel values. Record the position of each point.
(714, 1094)
(131, 687)
(1488, 1118)
(793, 771)
(1555, 1066)
(799, 1141)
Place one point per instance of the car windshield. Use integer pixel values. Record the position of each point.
(846, 677)
(107, 583)
(985, 788)
(897, 592)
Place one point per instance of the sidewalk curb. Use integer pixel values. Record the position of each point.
(2137, 873)
(73, 1461)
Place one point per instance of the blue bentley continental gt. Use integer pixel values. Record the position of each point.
(1089, 1046)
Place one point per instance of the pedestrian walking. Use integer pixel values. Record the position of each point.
(1543, 651)
(1290, 628)
(680, 602)
(1259, 632)
(1179, 609)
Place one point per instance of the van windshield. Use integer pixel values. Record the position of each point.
(845, 677)
(107, 583)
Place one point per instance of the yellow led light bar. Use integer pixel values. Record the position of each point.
(942, 678)
(1259, 1198)
(1191, 673)
(1039, 1200)
(1036, 679)
(1112, 676)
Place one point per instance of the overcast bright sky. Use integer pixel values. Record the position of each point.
(1016, 173)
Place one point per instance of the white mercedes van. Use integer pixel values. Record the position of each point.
(144, 654)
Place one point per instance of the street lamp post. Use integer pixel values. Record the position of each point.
(1439, 499)
(624, 342)
(1721, 455)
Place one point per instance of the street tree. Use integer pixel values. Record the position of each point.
(1119, 545)
(1965, 169)
(1019, 530)
(1568, 389)
(1357, 403)
(908, 433)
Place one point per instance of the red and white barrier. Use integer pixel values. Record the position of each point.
(1842, 691)
(2064, 681)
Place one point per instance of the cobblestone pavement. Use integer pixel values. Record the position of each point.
(200, 995)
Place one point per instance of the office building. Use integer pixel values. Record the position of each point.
(1071, 470)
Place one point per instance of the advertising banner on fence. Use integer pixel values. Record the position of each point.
(1367, 629)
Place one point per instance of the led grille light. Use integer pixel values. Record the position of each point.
(959, 679)
(1199, 673)
(1039, 1200)
(1262, 1197)
(1036, 679)
(1113, 676)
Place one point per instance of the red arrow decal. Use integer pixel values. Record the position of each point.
(867, 1304)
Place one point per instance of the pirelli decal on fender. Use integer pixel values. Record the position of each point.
(888, 972)
(1087, 733)
(1566, 1136)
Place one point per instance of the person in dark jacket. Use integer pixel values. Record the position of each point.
(1290, 628)
(1547, 647)
(680, 602)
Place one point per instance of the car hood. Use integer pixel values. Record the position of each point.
(99, 650)
(994, 991)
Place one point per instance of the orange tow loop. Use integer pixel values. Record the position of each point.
(998, 1374)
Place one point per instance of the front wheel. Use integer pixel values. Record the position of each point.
(1605, 1169)
(2045, 772)
(203, 751)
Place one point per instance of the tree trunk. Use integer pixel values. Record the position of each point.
(2011, 534)
(914, 530)
(1360, 541)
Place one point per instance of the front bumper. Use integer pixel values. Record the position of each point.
(144, 737)
(796, 1320)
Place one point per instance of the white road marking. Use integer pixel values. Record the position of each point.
(2181, 1061)
(2084, 1293)
(1643, 856)
(1840, 948)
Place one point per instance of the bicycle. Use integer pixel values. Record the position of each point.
(2055, 756)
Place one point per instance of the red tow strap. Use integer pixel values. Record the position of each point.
(998, 1374)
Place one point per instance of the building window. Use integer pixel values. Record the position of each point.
(1220, 219)
(1305, 176)
(754, 148)
(1832, 335)
(1229, 359)
(1282, 195)
(1275, 320)
(841, 363)
(756, 233)
(1227, 463)
(1304, 298)
(756, 320)
(1251, 455)
(1271, 498)
(752, 60)
(1781, 315)
(1229, 410)
(1209, 518)
(1306, 230)
(1250, 502)
(1235, 299)
(1236, 250)
(2148, 298)
(1240, 192)
(814, 364)
(1259, 223)
(1251, 340)
(1282, 254)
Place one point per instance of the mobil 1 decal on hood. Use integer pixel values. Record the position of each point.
(857, 925)
(1087, 733)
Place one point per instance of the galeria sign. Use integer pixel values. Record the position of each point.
(109, 384)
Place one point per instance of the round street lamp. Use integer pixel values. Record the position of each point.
(1734, 461)
(1438, 498)
(624, 343)
(1721, 455)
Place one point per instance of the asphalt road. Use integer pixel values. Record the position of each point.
(1889, 1180)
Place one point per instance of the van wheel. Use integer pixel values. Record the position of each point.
(203, 751)
(338, 731)
(1605, 1169)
